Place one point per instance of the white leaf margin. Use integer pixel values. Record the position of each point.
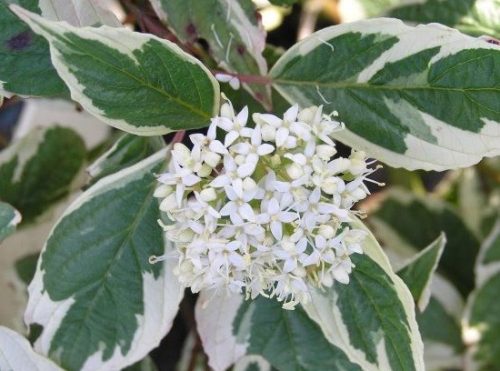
(329, 318)
(215, 314)
(78, 13)
(16, 354)
(455, 147)
(438, 243)
(161, 296)
(121, 39)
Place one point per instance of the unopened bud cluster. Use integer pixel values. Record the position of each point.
(266, 209)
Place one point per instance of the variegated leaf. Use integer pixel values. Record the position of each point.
(26, 68)
(101, 304)
(78, 13)
(440, 326)
(418, 272)
(421, 97)
(232, 29)
(482, 323)
(405, 221)
(475, 17)
(126, 151)
(16, 354)
(372, 319)
(38, 169)
(136, 82)
(9, 219)
(232, 328)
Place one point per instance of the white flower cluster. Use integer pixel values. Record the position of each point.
(265, 210)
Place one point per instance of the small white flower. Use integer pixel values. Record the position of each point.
(263, 210)
(274, 215)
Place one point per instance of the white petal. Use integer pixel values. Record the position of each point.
(246, 212)
(281, 136)
(291, 113)
(287, 217)
(256, 136)
(270, 119)
(340, 275)
(246, 169)
(217, 147)
(315, 196)
(277, 230)
(220, 181)
(265, 149)
(231, 194)
(290, 265)
(231, 137)
(190, 180)
(282, 186)
(242, 148)
(228, 209)
(242, 117)
(273, 207)
(224, 123)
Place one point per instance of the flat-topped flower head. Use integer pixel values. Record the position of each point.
(266, 208)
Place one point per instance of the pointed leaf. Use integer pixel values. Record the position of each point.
(9, 219)
(441, 327)
(26, 68)
(38, 169)
(482, 328)
(16, 354)
(231, 328)
(126, 151)
(418, 272)
(372, 318)
(475, 17)
(404, 218)
(231, 28)
(136, 82)
(416, 97)
(101, 304)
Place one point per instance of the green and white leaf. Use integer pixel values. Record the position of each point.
(482, 324)
(101, 304)
(38, 169)
(408, 223)
(78, 13)
(418, 273)
(9, 219)
(421, 97)
(372, 319)
(136, 82)
(26, 68)
(440, 326)
(16, 354)
(232, 329)
(126, 151)
(231, 28)
(474, 17)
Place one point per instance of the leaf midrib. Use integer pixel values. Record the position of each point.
(129, 75)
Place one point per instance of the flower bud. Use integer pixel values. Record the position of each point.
(294, 171)
(325, 152)
(163, 191)
(212, 159)
(326, 231)
(208, 195)
(268, 133)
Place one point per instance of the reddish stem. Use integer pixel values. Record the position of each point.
(178, 137)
